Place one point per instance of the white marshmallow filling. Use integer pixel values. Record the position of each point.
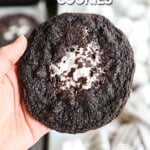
(79, 68)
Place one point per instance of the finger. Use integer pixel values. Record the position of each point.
(11, 53)
(37, 129)
(14, 51)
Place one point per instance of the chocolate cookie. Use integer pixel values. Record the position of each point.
(12, 26)
(76, 74)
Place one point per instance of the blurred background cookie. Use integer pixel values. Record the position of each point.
(12, 26)
(76, 74)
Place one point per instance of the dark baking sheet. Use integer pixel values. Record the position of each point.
(42, 144)
(17, 2)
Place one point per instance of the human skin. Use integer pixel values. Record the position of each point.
(18, 129)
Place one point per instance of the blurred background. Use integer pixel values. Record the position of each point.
(131, 131)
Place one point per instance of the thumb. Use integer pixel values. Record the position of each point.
(11, 53)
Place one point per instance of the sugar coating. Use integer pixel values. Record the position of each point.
(21, 29)
(79, 68)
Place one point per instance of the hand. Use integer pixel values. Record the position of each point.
(18, 130)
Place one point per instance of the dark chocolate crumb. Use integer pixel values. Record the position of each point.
(70, 74)
(57, 78)
(93, 56)
(82, 80)
(91, 73)
(72, 49)
(80, 64)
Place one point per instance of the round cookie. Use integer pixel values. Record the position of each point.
(76, 74)
(12, 26)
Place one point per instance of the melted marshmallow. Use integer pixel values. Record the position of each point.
(79, 67)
